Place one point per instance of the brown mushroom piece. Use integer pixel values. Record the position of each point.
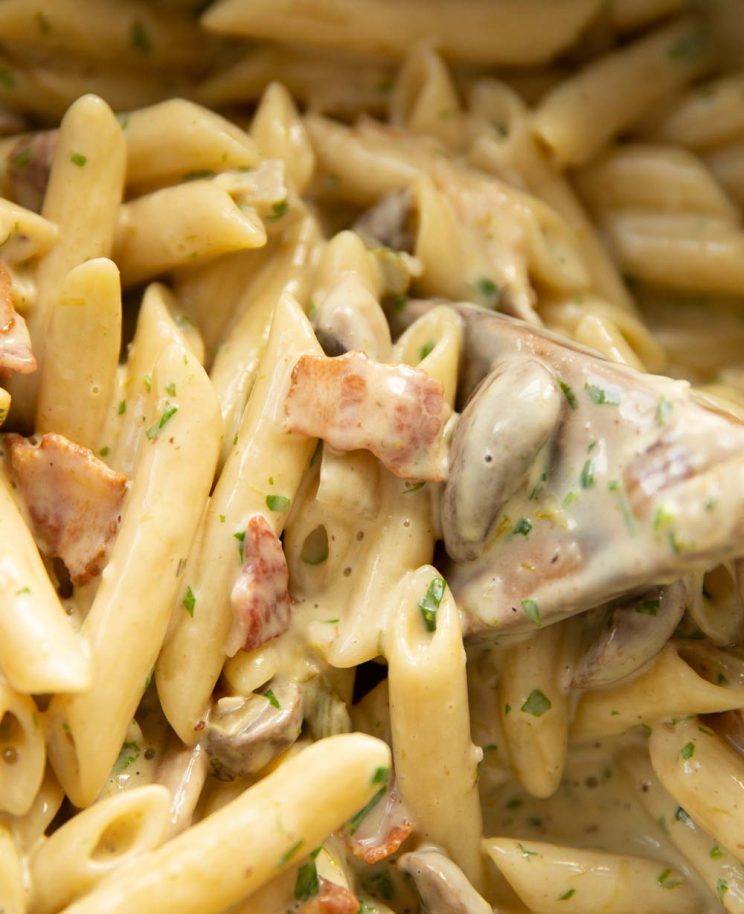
(243, 735)
(29, 166)
(387, 223)
(620, 638)
(442, 885)
(640, 482)
(503, 428)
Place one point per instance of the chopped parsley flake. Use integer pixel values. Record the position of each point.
(21, 159)
(290, 852)
(198, 174)
(381, 776)
(139, 37)
(568, 394)
(569, 893)
(600, 396)
(7, 79)
(307, 884)
(278, 503)
(587, 474)
(123, 120)
(526, 852)
(648, 607)
(721, 888)
(122, 408)
(271, 698)
(429, 603)
(413, 488)
(532, 611)
(129, 753)
(105, 451)
(680, 815)
(77, 158)
(240, 537)
(400, 302)
(170, 389)
(514, 803)
(147, 382)
(426, 349)
(23, 590)
(536, 703)
(189, 601)
(665, 882)
(168, 413)
(687, 751)
(507, 709)
(663, 412)
(715, 852)
(687, 48)
(522, 527)
(489, 291)
(278, 210)
(43, 23)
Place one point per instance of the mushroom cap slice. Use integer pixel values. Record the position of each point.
(442, 885)
(620, 639)
(243, 735)
(504, 426)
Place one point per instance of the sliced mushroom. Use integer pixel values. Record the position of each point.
(243, 735)
(498, 437)
(442, 885)
(387, 222)
(29, 166)
(621, 638)
(641, 483)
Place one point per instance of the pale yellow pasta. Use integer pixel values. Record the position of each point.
(88, 165)
(534, 710)
(39, 651)
(11, 875)
(265, 459)
(707, 116)
(586, 111)
(183, 770)
(279, 133)
(29, 828)
(506, 146)
(24, 234)
(659, 179)
(82, 353)
(111, 31)
(551, 879)
(632, 14)
(4, 405)
(273, 824)
(94, 844)
(716, 867)
(21, 750)
(176, 226)
(157, 326)
(237, 361)
(428, 712)
(727, 164)
(170, 141)
(668, 688)
(127, 622)
(270, 898)
(505, 33)
(332, 83)
(425, 100)
(704, 775)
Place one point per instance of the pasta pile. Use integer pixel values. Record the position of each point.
(372, 457)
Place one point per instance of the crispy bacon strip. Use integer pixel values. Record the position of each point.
(396, 412)
(260, 597)
(15, 343)
(331, 899)
(73, 498)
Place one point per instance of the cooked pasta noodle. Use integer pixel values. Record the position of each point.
(371, 457)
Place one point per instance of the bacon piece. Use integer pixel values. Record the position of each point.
(384, 826)
(15, 343)
(331, 899)
(260, 597)
(396, 412)
(29, 165)
(73, 498)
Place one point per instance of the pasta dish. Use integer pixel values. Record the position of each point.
(371, 457)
